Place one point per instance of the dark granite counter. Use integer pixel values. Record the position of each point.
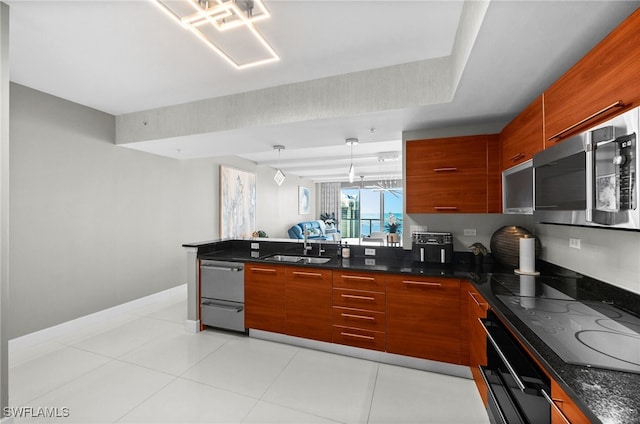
(605, 396)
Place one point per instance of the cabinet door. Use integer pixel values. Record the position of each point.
(591, 88)
(565, 409)
(264, 297)
(423, 317)
(449, 175)
(524, 136)
(477, 308)
(308, 303)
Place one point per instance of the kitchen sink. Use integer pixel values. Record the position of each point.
(297, 259)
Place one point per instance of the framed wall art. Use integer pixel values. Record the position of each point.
(237, 203)
(304, 200)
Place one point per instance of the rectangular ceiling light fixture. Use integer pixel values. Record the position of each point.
(210, 20)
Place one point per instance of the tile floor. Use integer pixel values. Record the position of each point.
(142, 367)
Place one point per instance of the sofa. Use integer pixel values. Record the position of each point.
(317, 230)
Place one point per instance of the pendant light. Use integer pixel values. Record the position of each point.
(352, 170)
(279, 177)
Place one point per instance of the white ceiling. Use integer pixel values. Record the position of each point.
(127, 56)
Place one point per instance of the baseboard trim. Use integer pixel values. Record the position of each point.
(192, 326)
(461, 371)
(61, 329)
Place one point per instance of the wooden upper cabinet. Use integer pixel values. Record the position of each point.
(452, 175)
(588, 92)
(524, 136)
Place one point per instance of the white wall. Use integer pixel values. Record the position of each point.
(608, 255)
(94, 225)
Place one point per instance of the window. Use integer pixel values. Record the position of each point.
(368, 210)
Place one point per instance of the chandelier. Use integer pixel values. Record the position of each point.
(226, 26)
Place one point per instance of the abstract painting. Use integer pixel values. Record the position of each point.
(304, 200)
(237, 203)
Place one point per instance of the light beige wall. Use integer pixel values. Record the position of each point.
(94, 225)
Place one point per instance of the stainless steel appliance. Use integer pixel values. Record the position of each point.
(222, 294)
(517, 189)
(518, 390)
(432, 247)
(592, 178)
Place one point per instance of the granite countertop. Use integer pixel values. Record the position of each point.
(605, 396)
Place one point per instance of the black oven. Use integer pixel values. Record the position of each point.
(518, 390)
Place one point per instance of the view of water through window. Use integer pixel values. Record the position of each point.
(368, 211)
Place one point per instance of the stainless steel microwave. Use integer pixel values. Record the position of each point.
(517, 189)
(591, 179)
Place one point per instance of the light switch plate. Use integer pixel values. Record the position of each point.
(369, 252)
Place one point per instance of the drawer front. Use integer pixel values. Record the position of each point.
(227, 315)
(359, 281)
(263, 273)
(358, 318)
(359, 338)
(358, 299)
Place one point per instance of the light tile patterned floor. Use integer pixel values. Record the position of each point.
(143, 368)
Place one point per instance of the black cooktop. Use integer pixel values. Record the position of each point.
(576, 326)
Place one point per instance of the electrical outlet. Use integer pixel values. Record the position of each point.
(370, 262)
(469, 231)
(255, 246)
(369, 252)
(575, 243)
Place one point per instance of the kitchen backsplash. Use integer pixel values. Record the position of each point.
(612, 256)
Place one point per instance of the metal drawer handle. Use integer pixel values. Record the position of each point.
(357, 316)
(479, 304)
(270, 270)
(357, 336)
(219, 306)
(357, 277)
(353, 296)
(445, 208)
(588, 118)
(220, 268)
(307, 274)
(515, 376)
(422, 283)
(492, 396)
(445, 169)
(554, 406)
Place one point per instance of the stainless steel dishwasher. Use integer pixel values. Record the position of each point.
(222, 294)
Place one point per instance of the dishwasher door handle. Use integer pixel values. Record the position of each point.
(222, 306)
(221, 268)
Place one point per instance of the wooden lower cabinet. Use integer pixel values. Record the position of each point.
(264, 297)
(308, 304)
(359, 306)
(568, 410)
(423, 317)
(477, 341)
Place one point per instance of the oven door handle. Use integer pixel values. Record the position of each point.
(492, 396)
(515, 376)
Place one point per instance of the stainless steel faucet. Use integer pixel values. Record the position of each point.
(307, 246)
